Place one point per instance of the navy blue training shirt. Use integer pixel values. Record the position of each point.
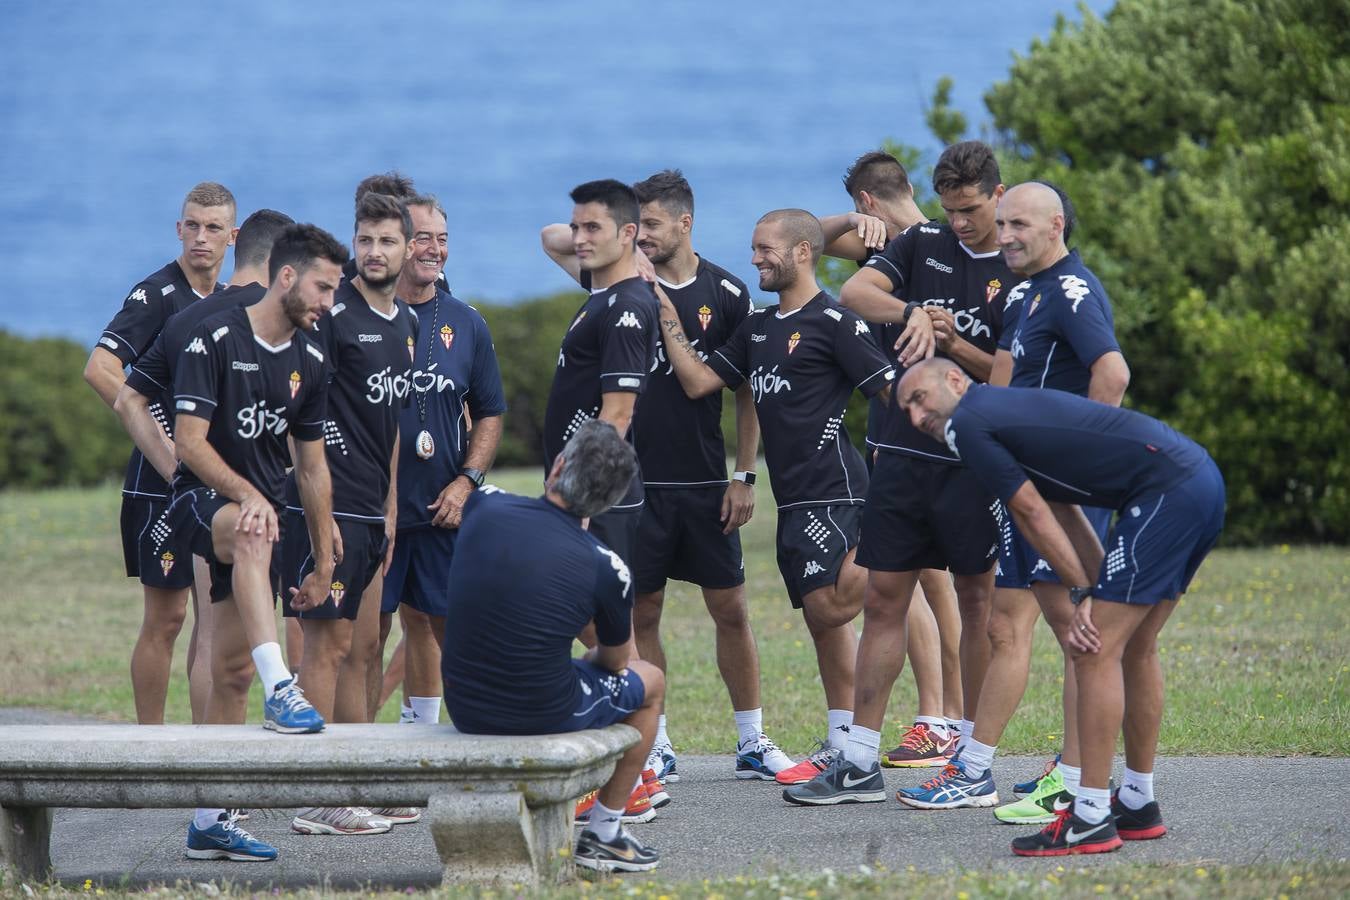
(1074, 450)
(1065, 325)
(524, 581)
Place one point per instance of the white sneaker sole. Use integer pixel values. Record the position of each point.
(843, 797)
(614, 865)
(982, 802)
(308, 826)
(216, 853)
(290, 729)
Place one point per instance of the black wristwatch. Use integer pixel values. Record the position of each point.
(1076, 594)
(474, 475)
(747, 477)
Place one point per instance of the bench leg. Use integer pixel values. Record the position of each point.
(496, 837)
(25, 841)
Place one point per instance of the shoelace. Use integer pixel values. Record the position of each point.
(1056, 828)
(292, 697)
(766, 745)
(948, 772)
(822, 758)
(917, 737)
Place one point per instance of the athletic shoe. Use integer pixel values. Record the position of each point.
(1143, 824)
(918, 749)
(842, 782)
(226, 840)
(1040, 806)
(656, 791)
(662, 761)
(809, 768)
(1027, 787)
(289, 712)
(1069, 835)
(238, 815)
(399, 815)
(953, 788)
(623, 854)
(760, 758)
(638, 810)
(339, 820)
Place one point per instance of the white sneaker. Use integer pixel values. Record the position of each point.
(339, 820)
(760, 758)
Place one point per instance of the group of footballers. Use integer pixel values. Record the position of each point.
(997, 458)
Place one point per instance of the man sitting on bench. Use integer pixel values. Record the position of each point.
(526, 579)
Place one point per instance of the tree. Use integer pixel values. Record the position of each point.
(1206, 146)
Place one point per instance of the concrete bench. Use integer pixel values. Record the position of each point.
(497, 807)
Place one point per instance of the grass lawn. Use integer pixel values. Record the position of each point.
(1257, 657)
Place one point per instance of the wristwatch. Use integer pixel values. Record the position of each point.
(474, 475)
(747, 477)
(1076, 594)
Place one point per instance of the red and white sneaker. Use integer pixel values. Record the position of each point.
(809, 768)
(638, 810)
(656, 791)
(919, 749)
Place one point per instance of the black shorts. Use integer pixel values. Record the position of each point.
(188, 519)
(419, 573)
(680, 536)
(927, 515)
(148, 547)
(812, 543)
(617, 530)
(363, 545)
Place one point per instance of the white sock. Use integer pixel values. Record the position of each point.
(749, 725)
(863, 748)
(426, 710)
(839, 721)
(936, 724)
(205, 818)
(977, 757)
(405, 713)
(271, 667)
(967, 729)
(1136, 789)
(604, 822)
(1092, 805)
(662, 739)
(953, 725)
(1072, 776)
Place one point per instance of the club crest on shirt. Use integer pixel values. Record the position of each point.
(411, 354)
(704, 316)
(447, 336)
(991, 290)
(166, 563)
(338, 590)
(295, 384)
(793, 340)
(1035, 302)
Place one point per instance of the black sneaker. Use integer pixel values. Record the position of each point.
(842, 782)
(623, 854)
(1143, 824)
(1069, 835)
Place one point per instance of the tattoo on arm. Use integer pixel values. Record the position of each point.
(677, 335)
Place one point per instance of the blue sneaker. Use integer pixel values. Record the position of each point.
(952, 789)
(1029, 787)
(226, 840)
(760, 758)
(288, 712)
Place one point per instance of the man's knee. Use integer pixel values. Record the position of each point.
(1007, 631)
(647, 609)
(975, 598)
(727, 607)
(165, 613)
(653, 680)
(232, 673)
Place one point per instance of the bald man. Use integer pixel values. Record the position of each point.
(803, 358)
(1062, 337)
(1043, 453)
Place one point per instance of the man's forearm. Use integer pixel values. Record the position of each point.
(747, 429)
(971, 358)
(1084, 539)
(104, 373)
(316, 496)
(696, 377)
(214, 472)
(1042, 530)
(483, 443)
(870, 302)
(133, 408)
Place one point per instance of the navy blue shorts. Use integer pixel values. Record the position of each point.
(149, 547)
(1159, 541)
(922, 514)
(1019, 564)
(419, 573)
(363, 546)
(679, 536)
(812, 544)
(605, 698)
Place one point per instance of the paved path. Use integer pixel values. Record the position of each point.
(1219, 810)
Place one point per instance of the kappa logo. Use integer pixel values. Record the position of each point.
(369, 338)
(757, 338)
(244, 366)
(929, 229)
(1075, 289)
(950, 434)
(620, 568)
(447, 334)
(628, 320)
(196, 345)
(705, 316)
(138, 294)
(295, 384)
(1015, 294)
(859, 327)
(941, 267)
(813, 568)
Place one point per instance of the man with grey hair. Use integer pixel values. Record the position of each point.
(515, 607)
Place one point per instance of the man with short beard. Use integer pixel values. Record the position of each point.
(454, 368)
(246, 378)
(803, 359)
(206, 231)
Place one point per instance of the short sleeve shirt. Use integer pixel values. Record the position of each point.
(802, 368)
(1066, 325)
